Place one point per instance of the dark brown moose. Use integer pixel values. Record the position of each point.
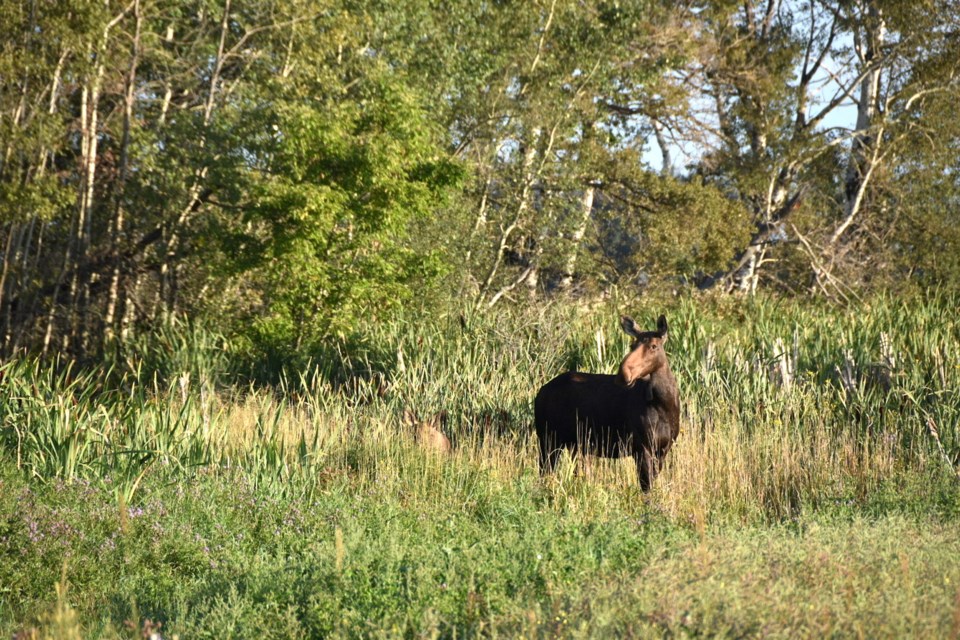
(635, 412)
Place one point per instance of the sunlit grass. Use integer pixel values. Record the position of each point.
(782, 407)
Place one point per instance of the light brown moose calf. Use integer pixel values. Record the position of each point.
(635, 412)
(427, 432)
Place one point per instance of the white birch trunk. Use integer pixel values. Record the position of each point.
(118, 221)
(869, 52)
(523, 203)
(586, 209)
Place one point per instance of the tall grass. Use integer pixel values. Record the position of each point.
(785, 407)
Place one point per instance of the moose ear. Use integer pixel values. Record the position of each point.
(437, 420)
(630, 326)
(662, 326)
(409, 418)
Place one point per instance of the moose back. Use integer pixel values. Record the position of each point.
(635, 412)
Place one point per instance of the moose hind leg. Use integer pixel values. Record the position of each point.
(549, 454)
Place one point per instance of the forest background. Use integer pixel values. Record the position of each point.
(282, 168)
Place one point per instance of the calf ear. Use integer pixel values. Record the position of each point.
(630, 326)
(662, 327)
(409, 419)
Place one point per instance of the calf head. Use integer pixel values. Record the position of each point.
(427, 432)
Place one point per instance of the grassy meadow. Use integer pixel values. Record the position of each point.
(813, 491)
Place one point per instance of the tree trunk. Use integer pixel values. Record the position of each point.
(168, 271)
(117, 230)
(868, 46)
(666, 168)
(523, 202)
(78, 246)
(586, 209)
(7, 252)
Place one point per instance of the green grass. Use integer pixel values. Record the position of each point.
(215, 558)
(803, 499)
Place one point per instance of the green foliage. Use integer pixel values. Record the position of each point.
(661, 224)
(33, 41)
(325, 228)
(924, 222)
(288, 166)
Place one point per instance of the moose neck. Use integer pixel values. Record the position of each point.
(663, 386)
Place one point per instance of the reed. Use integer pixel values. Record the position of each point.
(784, 407)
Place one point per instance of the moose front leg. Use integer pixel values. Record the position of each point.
(648, 466)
